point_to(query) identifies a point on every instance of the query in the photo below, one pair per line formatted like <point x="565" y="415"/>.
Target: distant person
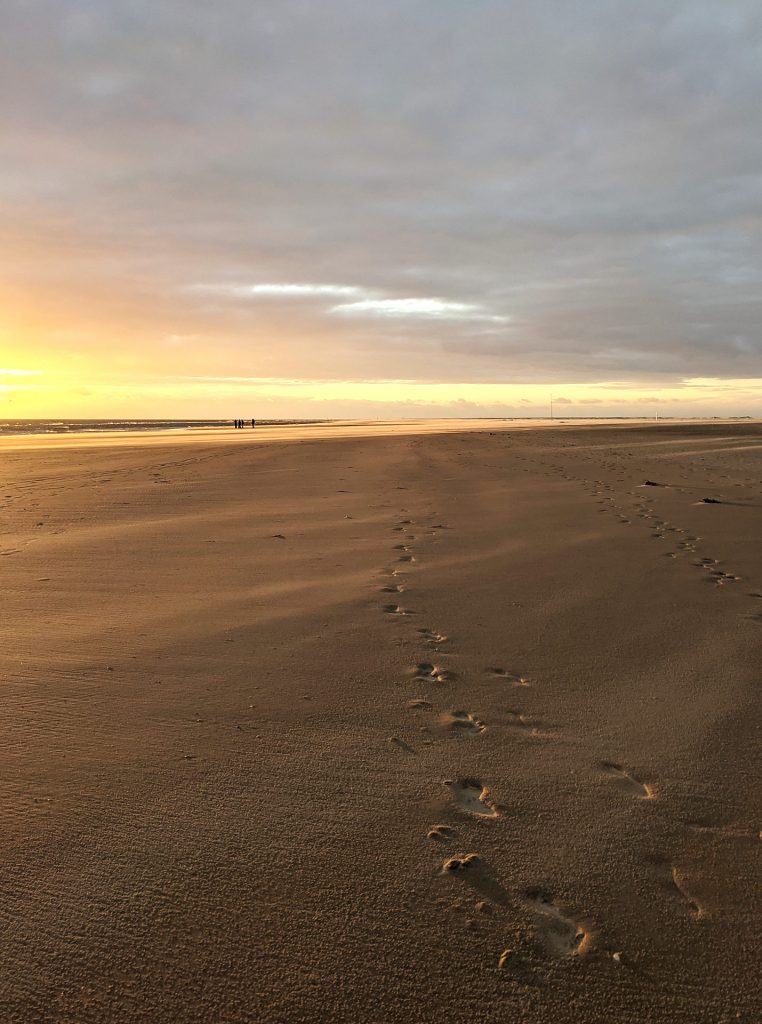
<point x="253" y="424"/>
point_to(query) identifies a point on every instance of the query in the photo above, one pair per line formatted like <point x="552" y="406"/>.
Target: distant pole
<point x="551" y="406"/>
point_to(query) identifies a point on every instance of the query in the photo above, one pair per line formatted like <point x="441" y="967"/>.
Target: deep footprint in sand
<point x="462" y="721"/>
<point x="510" y="677"/>
<point x="561" y="935"/>
<point x="398" y="589"/>
<point x="472" y="797"/>
<point x="627" y="780"/>
<point x="424" y="672"/>
<point x="419" y="704"/>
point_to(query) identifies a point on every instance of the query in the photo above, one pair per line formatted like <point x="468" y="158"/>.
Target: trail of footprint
<point x="462" y="721"/>
<point x="472" y="797"/>
<point x="627" y="780"/>
<point x="562" y="935"/>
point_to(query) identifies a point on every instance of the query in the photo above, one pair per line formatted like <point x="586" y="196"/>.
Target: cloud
<point x="278" y="290"/>
<point x="523" y="192"/>
<point x="434" y="308"/>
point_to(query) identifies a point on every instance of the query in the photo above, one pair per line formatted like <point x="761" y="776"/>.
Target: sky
<point x="345" y="208"/>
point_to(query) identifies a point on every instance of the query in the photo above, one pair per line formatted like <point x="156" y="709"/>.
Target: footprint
<point x="424" y="672"/>
<point x="509" y="677"/>
<point x="406" y="558"/>
<point x="723" y="831"/>
<point x="561" y="935"/>
<point x="674" y="881"/>
<point x="431" y="636"/>
<point x="453" y="864"/>
<point x="476" y="873"/>
<point x="462" y="721"/>
<point x="394" y="609"/>
<point x="718" y="576"/>
<point x="473" y="798"/>
<point x="402" y="744"/>
<point x="530" y="726"/>
<point x="631" y="783"/>
<point x="398" y="589"/>
<point x="418" y="704"/>
<point x="441" y="833"/>
<point x="678" y="880"/>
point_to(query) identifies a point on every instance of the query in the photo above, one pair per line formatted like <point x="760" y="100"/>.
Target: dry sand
<point x="382" y="725"/>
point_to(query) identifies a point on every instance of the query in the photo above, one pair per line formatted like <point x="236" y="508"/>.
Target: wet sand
<point x="383" y="724"/>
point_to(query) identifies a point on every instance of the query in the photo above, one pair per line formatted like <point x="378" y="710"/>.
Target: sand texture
<point x="393" y="724"/>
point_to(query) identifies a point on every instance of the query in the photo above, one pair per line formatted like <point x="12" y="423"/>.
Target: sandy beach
<point x="383" y="723"/>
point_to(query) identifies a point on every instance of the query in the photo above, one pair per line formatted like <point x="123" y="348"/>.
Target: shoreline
<point x="324" y="429"/>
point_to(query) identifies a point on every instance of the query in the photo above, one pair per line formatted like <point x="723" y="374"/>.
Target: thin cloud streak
<point x="412" y="307"/>
<point x="278" y="290"/>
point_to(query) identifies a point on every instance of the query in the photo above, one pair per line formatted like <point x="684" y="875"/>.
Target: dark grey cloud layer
<point x="583" y="179"/>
